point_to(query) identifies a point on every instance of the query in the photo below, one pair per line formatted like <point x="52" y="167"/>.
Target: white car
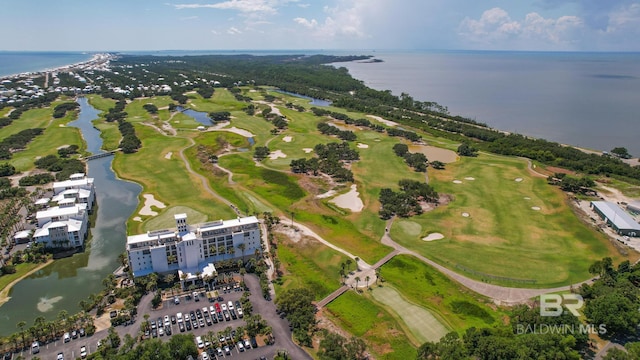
<point x="230" y="305"/>
<point x="167" y="322"/>
<point x="224" y="307"/>
<point x="83" y="352"/>
<point x="66" y="337"/>
<point x="204" y="356"/>
<point x="199" y="342"/>
<point x="60" y="356"/>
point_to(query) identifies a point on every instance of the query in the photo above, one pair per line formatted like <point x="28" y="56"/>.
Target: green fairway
<point x="518" y="227"/>
<point x="421" y="284"/>
<point x="56" y="135"/>
<point x="365" y="319"/>
<point x="421" y="323"/>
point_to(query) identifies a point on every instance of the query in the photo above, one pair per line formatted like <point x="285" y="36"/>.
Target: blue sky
<point x="581" y="25"/>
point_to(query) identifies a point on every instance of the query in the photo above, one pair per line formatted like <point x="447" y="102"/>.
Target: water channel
<point x="61" y="285"/>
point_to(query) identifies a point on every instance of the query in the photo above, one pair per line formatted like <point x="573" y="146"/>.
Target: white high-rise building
<point x="192" y="249"/>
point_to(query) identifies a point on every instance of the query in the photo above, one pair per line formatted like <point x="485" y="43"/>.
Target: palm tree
<point x="377" y="275"/>
<point x="367" y="278"/>
<point x="21" y="325"/>
<point x="342" y="276"/>
<point x="349" y="261"/>
<point x="242" y="248"/>
<point x="357" y="279"/>
<point x="357" y="266"/>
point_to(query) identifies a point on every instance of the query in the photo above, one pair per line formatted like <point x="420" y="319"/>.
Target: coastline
<point x="4" y="293"/>
<point x="96" y="58"/>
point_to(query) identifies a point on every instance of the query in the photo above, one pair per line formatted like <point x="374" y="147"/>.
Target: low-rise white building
<point x="79" y="186"/>
<point x="192" y="249"/>
<point x="62" y="226"/>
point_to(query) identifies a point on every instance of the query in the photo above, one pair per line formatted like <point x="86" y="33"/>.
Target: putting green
<point x="420" y="321"/>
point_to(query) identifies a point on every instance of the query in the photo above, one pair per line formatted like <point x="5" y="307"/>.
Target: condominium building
<point x="192" y="249"/>
<point x="79" y="187"/>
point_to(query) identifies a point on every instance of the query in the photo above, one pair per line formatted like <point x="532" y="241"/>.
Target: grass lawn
<point x="165" y="220"/>
<point x="421" y="284"/>
<point x="527" y="225"/>
<point x="421" y="323"/>
<point x="310" y="264"/>
<point x="367" y="320"/>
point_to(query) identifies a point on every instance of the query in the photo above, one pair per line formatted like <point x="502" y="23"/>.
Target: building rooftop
<point x="60" y="211"/>
<point x="620" y="218"/>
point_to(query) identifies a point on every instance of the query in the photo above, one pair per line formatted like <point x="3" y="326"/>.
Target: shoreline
<point x="95" y="58"/>
<point x="4" y="293"/>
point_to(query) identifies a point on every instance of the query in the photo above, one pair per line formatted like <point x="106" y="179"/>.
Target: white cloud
<point x="233" y="31"/>
<point x="625" y="19"/>
<point x="244" y="6"/>
<point x="306" y="23"/>
<point x="496" y="29"/>
<point x="188" y="18"/>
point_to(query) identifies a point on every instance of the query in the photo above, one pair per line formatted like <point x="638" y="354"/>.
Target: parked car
<point x="60" y="356"/>
<point x="199" y="342"/>
<point x="83" y="352"/>
<point x="66" y="337"/>
<point x="176" y="300"/>
<point x="35" y="347"/>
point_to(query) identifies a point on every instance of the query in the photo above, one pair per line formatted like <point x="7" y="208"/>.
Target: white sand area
<point x="277" y="154"/>
<point x="433" y="236"/>
<point x="149" y="201"/>
<point x="287" y="139"/>
<point x="384" y="121"/>
<point x="518" y="180"/>
<point x="242" y="132"/>
<point x="329" y="193"/>
<point x="536" y="208"/>
<point x="137" y="218"/>
<point x="168" y="155"/>
<point x="469" y="178"/>
<point x="465" y="214"/>
<point x="350" y="200"/>
<point x="457" y="181"/>
<point x="527" y="198"/>
<point x="362" y="146"/>
<point x="307" y="150"/>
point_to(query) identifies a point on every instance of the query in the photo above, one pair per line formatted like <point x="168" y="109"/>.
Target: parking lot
<point x="281" y="332"/>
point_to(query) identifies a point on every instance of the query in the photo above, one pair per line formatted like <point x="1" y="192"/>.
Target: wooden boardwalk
<point x="322" y="303"/>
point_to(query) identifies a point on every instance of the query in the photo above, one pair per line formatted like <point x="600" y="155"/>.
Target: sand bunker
<point x="45" y="305"/>
<point x="277" y="154"/>
<point x="242" y="132"/>
<point x="469" y="178"/>
<point x="287" y="139"/>
<point x="435" y="153"/>
<point x="433" y="236"/>
<point x="350" y="200"/>
<point x="536" y="208"/>
<point x="362" y="146"/>
<point x="137" y="218"/>
<point x="329" y="193"/>
<point x="465" y="214"/>
<point x="518" y="179"/>
<point x="307" y="150"/>
<point x="386" y="122"/>
<point x="168" y="156"/>
<point x="148" y="203"/>
<point x="457" y="182"/>
<point x="527" y="198"/>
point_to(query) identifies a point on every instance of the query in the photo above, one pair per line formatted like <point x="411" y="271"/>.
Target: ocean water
<point x="590" y="100"/>
<point x="16" y="62"/>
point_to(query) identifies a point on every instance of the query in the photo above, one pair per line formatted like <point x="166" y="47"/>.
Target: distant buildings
<point x="617" y="218"/>
<point x="66" y="224"/>
<point x="192" y="249"/>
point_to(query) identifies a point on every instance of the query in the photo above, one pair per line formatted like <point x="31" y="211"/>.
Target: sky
<point x="129" y="25"/>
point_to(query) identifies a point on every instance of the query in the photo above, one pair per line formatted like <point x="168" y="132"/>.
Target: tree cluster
<point x="37" y="179"/>
<point x="418" y="161"/>
<point x="62" y="167"/>
<point x="406" y="202"/>
<point x="330" y="160"/>
<point x="345" y="135"/>
<point x="467" y="150"/>
<point x="335" y="347"/>
<point x="206" y="91"/>
<point x="299" y="310"/>
<point x="261" y="152"/>
<point x="7" y="169"/>
<point x="66" y="151"/>
<point x="220" y="116"/>
<point x="151" y="108"/>
<point x="4" y="121"/>
<point x="581" y="185"/>
<point x="16" y="142"/>
<point x="61" y="110"/>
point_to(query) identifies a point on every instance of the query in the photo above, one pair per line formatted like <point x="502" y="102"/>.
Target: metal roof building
<point x="617" y="218"/>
